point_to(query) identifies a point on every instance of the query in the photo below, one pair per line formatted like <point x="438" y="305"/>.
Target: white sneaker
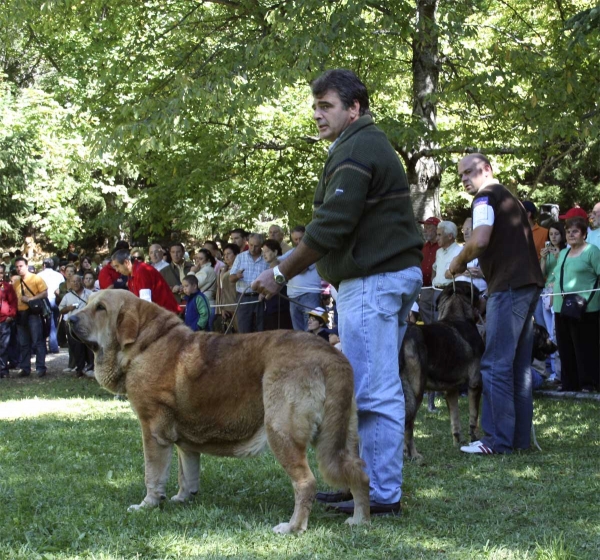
<point x="68" y="370"/>
<point x="89" y="373"/>
<point x="477" y="448"/>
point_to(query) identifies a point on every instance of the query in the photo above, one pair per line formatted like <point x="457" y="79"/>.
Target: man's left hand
<point x="457" y="267"/>
<point x="265" y="284"/>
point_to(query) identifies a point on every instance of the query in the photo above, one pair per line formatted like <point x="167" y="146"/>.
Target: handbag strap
<point x="72" y="292"/>
<point x="562" y="272"/>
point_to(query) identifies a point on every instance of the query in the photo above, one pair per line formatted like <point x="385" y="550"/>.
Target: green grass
<point x="71" y="462"/>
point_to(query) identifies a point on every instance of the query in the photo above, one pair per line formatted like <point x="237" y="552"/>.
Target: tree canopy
<point x="151" y="116"/>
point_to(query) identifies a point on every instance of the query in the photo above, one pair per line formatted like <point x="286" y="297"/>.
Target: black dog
<point x="542" y="343"/>
<point x="442" y="357"/>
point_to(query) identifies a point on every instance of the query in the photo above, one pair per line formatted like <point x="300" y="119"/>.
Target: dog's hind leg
<point x="157" y="463"/>
<point x="189" y="475"/>
<point x="452" y="402"/>
<point x="292" y="456"/>
<point x="341" y="465"/>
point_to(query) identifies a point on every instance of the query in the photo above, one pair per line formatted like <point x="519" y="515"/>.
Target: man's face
<point x="276" y="233"/>
<point x="176" y="254"/>
<point x="76" y="283"/>
<point x="6" y="260"/>
<point x="124" y="269"/>
<point x="595" y="215"/>
<point x="69" y="272"/>
<point x="444" y="239"/>
<point x="22" y="269"/>
<point x="473" y="173"/>
<point x="156" y="253"/>
<point x="331" y="117"/>
<point x="467" y="229"/>
<point x="238" y="239"/>
<point x="297" y="237"/>
<point x="429" y="232"/>
<point x="254" y="246"/>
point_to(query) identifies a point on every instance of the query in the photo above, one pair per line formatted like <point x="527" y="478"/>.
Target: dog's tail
<point x="337" y="441"/>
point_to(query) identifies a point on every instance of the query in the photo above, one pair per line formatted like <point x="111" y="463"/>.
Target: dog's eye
<point x="100" y="307"/>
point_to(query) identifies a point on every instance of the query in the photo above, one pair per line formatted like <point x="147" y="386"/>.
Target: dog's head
<point x="542" y="343"/>
<point x="458" y="302"/>
<point x="117" y="319"/>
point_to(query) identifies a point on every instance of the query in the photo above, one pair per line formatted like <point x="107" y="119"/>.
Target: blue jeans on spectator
<point x="4" y="342"/>
<point x="53" y="347"/>
<point x="506" y="369"/>
<point x="30" y="333"/>
<point x="307" y="302"/>
<point x="372" y="322"/>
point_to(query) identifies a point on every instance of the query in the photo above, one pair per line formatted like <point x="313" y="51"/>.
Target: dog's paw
<point x="352" y="521"/>
<point x="137" y="507"/>
<point x="286" y="529"/>
<point x="182" y="498"/>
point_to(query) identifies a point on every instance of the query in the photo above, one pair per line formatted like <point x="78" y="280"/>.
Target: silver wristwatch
<point x="279" y="277"/>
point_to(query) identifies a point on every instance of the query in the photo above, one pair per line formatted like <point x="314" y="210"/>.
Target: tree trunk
<point x="424" y="173"/>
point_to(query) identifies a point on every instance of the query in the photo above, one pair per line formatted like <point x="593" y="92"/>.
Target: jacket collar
<point x="359" y="124"/>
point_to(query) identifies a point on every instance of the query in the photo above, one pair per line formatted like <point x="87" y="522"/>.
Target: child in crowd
<point x="198" y="314"/>
<point x="317" y="323"/>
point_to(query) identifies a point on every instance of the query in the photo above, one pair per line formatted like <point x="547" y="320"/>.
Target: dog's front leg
<point x="189" y="475"/>
<point x="157" y="461"/>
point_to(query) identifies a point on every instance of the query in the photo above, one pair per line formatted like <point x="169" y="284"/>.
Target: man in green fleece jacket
<point x="366" y="242"/>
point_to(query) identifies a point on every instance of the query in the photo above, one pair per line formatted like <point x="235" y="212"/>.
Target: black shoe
<point x="376" y="508"/>
<point x="40" y="373"/>
<point x="23" y="373"/>
<point x="333" y="497"/>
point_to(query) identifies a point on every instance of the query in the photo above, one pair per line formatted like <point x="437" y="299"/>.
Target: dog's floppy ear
<point x="128" y="325"/>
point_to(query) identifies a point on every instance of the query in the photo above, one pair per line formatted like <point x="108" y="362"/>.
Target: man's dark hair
<point x="233" y="247"/>
<point x="21" y="259"/>
<point x="273" y="245"/>
<point x="121" y="245"/>
<point x="49" y="263"/>
<point x="191" y="279"/>
<point x="212" y="243"/>
<point x="18" y="253"/>
<point x="482" y="158"/>
<point x="177" y="245"/>
<point x="121" y="256"/>
<point x="63" y="262"/>
<point x="299" y="229"/>
<point x="240" y="231"/>
<point x="346" y="84"/>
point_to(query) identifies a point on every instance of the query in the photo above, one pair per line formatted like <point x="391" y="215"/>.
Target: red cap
<point x="574" y="213"/>
<point x="431" y="221"/>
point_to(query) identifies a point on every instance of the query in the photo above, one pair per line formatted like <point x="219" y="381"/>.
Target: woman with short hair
<point x="277" y="309"/>
<point x="578" y="270"/>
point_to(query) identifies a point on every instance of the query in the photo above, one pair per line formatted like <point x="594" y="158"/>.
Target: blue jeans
<point x="52" y="338"/>
<point x="372" y="323"/>
<point x="506" y="369"/>
<point x="299" y="315"/>
<point x="30" y="333"/>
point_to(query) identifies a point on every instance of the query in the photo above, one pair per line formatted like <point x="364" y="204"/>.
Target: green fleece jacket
<point x="363" y="219"/>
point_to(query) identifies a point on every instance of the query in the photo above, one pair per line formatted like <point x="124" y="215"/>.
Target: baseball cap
<point x="320" y="313"/>
<point x="430" y="221"/>
<point x="5" y="255"/>
<point x="574" y="213"/>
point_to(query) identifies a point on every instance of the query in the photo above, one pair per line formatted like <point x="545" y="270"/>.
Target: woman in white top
<point x="204" y="270"/>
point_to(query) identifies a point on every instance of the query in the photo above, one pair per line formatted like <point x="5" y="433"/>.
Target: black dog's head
<point x="458" y="302"/>
<point x="542" y="344"/>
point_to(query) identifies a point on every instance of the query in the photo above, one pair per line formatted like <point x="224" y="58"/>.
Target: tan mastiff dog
<point x="227" y="396"/>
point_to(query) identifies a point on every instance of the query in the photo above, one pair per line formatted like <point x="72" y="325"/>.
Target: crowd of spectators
<point x="210" y="287"/>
